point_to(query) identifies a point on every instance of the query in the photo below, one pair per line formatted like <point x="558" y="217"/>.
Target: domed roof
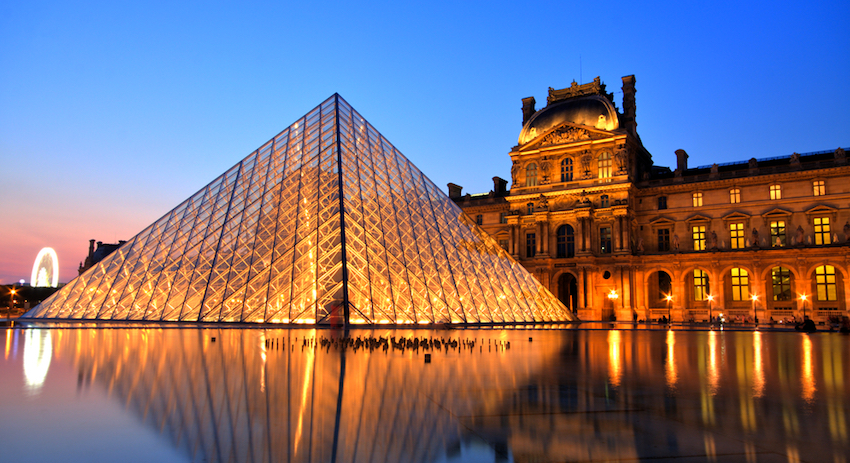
<point x="591" y="110"/>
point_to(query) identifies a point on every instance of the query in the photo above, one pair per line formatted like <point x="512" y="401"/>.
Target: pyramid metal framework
<point x="326" y="223"/>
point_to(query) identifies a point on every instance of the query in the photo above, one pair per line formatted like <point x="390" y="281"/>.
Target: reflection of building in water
<point x="254" y="395"/>
<point x="326" y="223"/>
<point x="589" y="212"/>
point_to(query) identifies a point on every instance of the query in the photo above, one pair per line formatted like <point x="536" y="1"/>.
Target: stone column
<point x="538" y="232"/>
<point x="616" y="234"/>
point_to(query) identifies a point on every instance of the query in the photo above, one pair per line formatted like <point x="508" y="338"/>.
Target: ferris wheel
<point x="45" y="271"/>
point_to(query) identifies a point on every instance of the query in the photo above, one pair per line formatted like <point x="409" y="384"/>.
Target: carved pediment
<point x="698" y="218"/>
<point x="661" y="221"/>
<point x="822" y="210"/>
<point x="735" y="216"/>
<point x="777" y="212"/>
<point x="565" y="133"/>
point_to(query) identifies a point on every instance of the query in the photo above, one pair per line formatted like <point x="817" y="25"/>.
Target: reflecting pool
<point x="208" y="394"/>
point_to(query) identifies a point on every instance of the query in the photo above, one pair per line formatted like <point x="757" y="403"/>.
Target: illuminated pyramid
<point x="326" y="223"/>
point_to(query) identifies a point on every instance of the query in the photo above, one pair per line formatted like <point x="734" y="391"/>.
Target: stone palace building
<point x="613" y="235"/>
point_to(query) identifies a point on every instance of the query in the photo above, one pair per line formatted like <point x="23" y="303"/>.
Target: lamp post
<point x="710" y="298"/>
<point x="803" y="298"/>
<point x="755" y="299"/>
<point x="612" y="295"/>
<point x="669" y="298"/>
<point x="12" y="299"/>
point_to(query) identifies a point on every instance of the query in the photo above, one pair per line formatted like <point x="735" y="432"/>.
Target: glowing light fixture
<point x="45" y="271"/>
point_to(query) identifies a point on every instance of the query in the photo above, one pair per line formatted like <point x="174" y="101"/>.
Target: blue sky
<point x="111" y="113"/>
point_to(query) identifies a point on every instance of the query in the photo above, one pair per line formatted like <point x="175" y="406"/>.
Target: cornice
<point x="607" y="188"/>
<point x="747" y="180"/>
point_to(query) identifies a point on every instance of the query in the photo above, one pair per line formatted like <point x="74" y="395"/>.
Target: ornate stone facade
<point x="614" y="235"/>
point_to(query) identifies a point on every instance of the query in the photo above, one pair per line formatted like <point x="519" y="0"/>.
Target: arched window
<point x="567" y="170"/>
<point x="566" y="241"/>
<point x="701" y="287"/>
<point x="531" y="175"/>
<point x="781" y="278"/>
<point x="825" y="281"/>
<point x="740" y="284"/>
<point x="605" y="165"/>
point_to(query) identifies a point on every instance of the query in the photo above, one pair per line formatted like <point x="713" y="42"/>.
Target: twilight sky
<point x="112" y="113"/>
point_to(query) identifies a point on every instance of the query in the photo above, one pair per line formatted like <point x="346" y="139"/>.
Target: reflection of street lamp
<point x="755" y="299"/>
<point x="710" y="298"/>
<point x="669" y="298"/>
<point x="803" y="298"/>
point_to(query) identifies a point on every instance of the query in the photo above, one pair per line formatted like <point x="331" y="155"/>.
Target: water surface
<point x="197" y="394"/>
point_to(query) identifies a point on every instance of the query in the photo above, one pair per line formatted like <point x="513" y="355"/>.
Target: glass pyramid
<point x="326" y="223"/>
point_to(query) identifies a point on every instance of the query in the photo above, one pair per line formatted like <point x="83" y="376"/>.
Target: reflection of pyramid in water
<point x="267" y="242"/>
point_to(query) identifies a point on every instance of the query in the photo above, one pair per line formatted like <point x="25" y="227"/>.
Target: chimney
<point x="629" y="107"/>
<point x="500" y="186"/>
<point x="455" y="191"/>
<point x="681" y="161"/>
<point x="91" y="249"/>
<point x="527" y="109"/>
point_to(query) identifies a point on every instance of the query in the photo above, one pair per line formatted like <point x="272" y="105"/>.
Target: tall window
<point x="736" y="236"/>
<point x="531" y="175"/>
<point x="565" y="240"/>
<point x="665" y="285"/>
<point x="777" y="233"/>
<point x="530" y="207"/>
<point x="567" y="170"/>
<point x="663" y="239"/>
<point x="479" y="219"/>
<point x="740" y="284"/>
<point x="697" y="199"/>
<point x="605" y="240"/>
<point x="825" y="281"/>
<point x="700" y="285"/>
<point x="699" y="237"/>
<point x="603" y="201"/>
<point x="822" y="235"/>
<point x="503" y="217"/>
<point x="662" y="202"/>
<point x="781" y="277"/>
<point x="605" y="165"/>
<point x="530" y="245"/>
<point x="735" y="195"/>
<point x="819" y="187"/>
<point x="775" y="192"/>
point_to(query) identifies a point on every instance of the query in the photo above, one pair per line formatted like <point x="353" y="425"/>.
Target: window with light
<point x="697" y="199"/>
<point x="735" y="195"/>
<point x="605" y="165"/>
<point x="826" y="284"/>
<point x="740" y="284"/>
<point x="777" y="233"/>
<point x="700" y="285"/>
<point x="819" y="187"/>
<point x="531" y="175"/>
<point x="699" y="237"/>
<point x="822" y="231"/>
<point x="775" y="192"/>
<point x="736" y="236"/>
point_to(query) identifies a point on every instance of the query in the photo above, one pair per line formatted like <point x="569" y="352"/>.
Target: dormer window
<point x="531" y="175"/>
<point x="605" y="164"/>
<point x="567" y="170"/>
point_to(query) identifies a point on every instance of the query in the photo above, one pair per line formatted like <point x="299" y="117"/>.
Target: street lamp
<point x="755" y="299"/>
<point x="612" y="295"/>
<point x="669" y="298"/>
<point x="710" y="298"/>
<point x="803" y="298"/>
